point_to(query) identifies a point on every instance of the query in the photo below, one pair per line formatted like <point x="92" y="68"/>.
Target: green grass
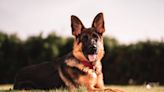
<point x="142" y="88"/>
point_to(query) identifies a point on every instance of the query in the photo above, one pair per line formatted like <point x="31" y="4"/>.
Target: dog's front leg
<point x="98" y="70"/>
<point x="100" y="82"/>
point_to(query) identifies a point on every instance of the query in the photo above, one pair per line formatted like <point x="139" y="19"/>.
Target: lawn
<point x="142" y="88"/>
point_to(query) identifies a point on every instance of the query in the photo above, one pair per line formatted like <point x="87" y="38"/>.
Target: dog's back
<point x="41" y="76"/>
<point x="50" y="75"/>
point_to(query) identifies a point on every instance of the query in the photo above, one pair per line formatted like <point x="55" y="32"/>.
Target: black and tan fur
<point x="69" y="71"/>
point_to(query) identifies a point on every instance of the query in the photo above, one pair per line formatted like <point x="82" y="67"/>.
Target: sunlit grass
<point x="9" y="88"/>
<point x="6" y="87"/>
<point x="142" y="88"/>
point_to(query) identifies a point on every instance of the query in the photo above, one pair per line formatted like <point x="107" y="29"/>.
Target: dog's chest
<point x="88" y="79"/>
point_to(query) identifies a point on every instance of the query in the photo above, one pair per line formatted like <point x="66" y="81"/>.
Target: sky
<point x="128" y="21"/>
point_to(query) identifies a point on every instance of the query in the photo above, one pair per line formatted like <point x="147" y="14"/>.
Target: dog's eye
<point x="84" y="37"/>
<point x="95" y="36"/>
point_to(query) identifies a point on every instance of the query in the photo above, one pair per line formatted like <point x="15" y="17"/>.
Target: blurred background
<point x="35" y="31"/>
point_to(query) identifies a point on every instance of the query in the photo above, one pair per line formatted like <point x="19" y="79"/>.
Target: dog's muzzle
<point x="92" y="53"/>
<point x="92" y="49"/>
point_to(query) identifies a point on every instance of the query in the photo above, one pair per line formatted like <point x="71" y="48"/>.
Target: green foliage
<point x="138" y="63"/>
<point x="122" y="64"/>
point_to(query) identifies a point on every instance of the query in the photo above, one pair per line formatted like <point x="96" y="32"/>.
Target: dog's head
<point x="88" y="42"/>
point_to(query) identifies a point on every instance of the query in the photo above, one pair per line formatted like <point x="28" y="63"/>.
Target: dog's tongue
<point x="92" y="57"/>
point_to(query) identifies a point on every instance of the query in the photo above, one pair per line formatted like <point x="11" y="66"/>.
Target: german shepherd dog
<point x="81" y="67"/>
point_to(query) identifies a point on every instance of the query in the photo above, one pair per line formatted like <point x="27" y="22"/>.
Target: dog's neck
<point x="82" y="59"/>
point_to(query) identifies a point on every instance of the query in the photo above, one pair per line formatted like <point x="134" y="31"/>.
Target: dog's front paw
<point x="112" y="90"/>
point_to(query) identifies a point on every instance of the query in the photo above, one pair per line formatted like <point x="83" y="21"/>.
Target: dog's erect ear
<point x="98" y="23"/>
<point x="76" y="25"/>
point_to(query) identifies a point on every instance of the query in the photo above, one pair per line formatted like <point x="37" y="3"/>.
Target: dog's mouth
<point x="92" y="57"/>
<point x="91" y="53"/>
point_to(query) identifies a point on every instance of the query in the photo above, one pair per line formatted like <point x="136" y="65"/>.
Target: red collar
<point x="87" y="64"/>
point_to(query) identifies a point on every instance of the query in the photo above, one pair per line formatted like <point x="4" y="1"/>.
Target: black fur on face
<point x="89" y="38"/>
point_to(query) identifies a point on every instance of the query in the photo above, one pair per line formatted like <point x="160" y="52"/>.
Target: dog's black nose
<point x="92" y="49"/>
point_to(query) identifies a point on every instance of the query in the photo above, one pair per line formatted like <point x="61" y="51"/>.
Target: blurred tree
<point x="9" y="47"/>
